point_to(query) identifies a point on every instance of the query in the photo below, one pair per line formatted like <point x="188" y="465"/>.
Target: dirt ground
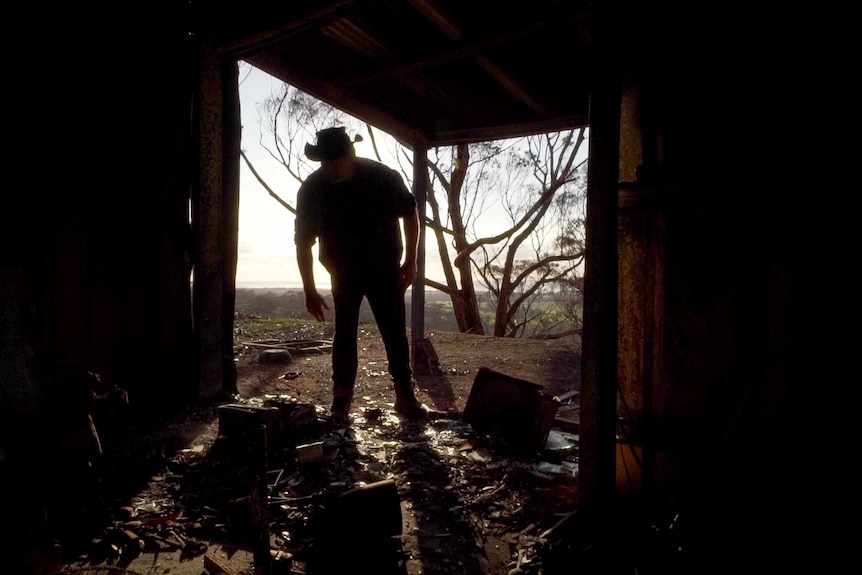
<point x="472" y="498"/>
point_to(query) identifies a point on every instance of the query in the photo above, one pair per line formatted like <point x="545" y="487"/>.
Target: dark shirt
<point x="356" y="221"/>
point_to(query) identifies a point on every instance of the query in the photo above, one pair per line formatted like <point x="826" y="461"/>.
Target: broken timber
<point x="306" y="346"/>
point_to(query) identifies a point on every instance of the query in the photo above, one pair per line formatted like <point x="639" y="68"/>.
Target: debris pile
<point x="456" y="495"/>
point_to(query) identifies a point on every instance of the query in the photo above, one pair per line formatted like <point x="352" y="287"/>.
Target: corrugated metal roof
<point x="429" y="71"/>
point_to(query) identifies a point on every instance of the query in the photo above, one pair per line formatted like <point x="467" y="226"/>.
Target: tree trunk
<point x="464" y="303"/>
<point x="503" y="312"/>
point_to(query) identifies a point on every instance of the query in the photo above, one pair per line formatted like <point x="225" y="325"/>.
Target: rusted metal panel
<point x="517" y="410"/>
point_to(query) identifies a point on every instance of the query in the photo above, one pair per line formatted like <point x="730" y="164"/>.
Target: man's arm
<point x="314" y="302"/>
<point x="411" y="249"/>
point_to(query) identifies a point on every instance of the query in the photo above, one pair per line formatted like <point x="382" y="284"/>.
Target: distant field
<point x="289" y="303"/>
<point x="430" y="295"/>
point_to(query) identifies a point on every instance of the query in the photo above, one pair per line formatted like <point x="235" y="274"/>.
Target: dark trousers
<point x="387" y="303"/>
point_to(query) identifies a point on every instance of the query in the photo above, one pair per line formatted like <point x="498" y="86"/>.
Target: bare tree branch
<point x="290" y="208"/>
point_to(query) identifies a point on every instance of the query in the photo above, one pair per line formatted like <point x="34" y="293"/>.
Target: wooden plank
<point x="215" y="565"/>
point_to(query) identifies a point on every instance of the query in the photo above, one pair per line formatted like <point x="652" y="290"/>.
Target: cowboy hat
<point x="332" y="144"/>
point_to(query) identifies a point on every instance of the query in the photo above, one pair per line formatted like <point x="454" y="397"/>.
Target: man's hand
<point x="407" y="275"/>
<point x="315" y="305"/>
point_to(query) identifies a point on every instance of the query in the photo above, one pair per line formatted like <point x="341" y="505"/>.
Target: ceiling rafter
<point x="334" y="96"/>
<point x="448" y="72"/>
<point x="458" y="53"/>
<point x="347" y="33"/>
<point x="446" y="24"/>
<point x="315" y="20"/>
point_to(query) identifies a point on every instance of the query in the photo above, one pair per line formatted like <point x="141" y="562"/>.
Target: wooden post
<point x="207" y="286"/>
<point x="597" y="473"/>
<point x="420" y="183"/>
<point x="231" y="144"/>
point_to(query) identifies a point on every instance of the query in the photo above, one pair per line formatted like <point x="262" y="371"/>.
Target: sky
<point x="266" y="255"/>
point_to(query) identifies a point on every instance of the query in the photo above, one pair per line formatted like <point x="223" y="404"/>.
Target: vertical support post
<point x="207" y="223"/>
<point x="231" y="145"/>
<point x="597" y="477"/>
<point x="420" y="190"/>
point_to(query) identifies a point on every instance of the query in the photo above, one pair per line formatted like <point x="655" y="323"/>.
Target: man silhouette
<point x="355" y="208"/>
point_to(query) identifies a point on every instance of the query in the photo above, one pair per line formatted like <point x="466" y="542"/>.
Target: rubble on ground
<point x="460" y="490"/>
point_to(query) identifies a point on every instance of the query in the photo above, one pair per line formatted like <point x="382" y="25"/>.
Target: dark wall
<point x="98" y="227"/>
<point x="707" y="376"/>
<point x="96" y="241"/>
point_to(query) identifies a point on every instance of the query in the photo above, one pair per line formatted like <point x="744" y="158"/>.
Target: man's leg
<point x="347" y="299"/>
<point x="387" y="304"/>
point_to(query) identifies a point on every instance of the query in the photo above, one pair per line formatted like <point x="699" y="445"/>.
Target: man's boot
<point x="340" y="409"/>
<point x="406" y="404"/>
